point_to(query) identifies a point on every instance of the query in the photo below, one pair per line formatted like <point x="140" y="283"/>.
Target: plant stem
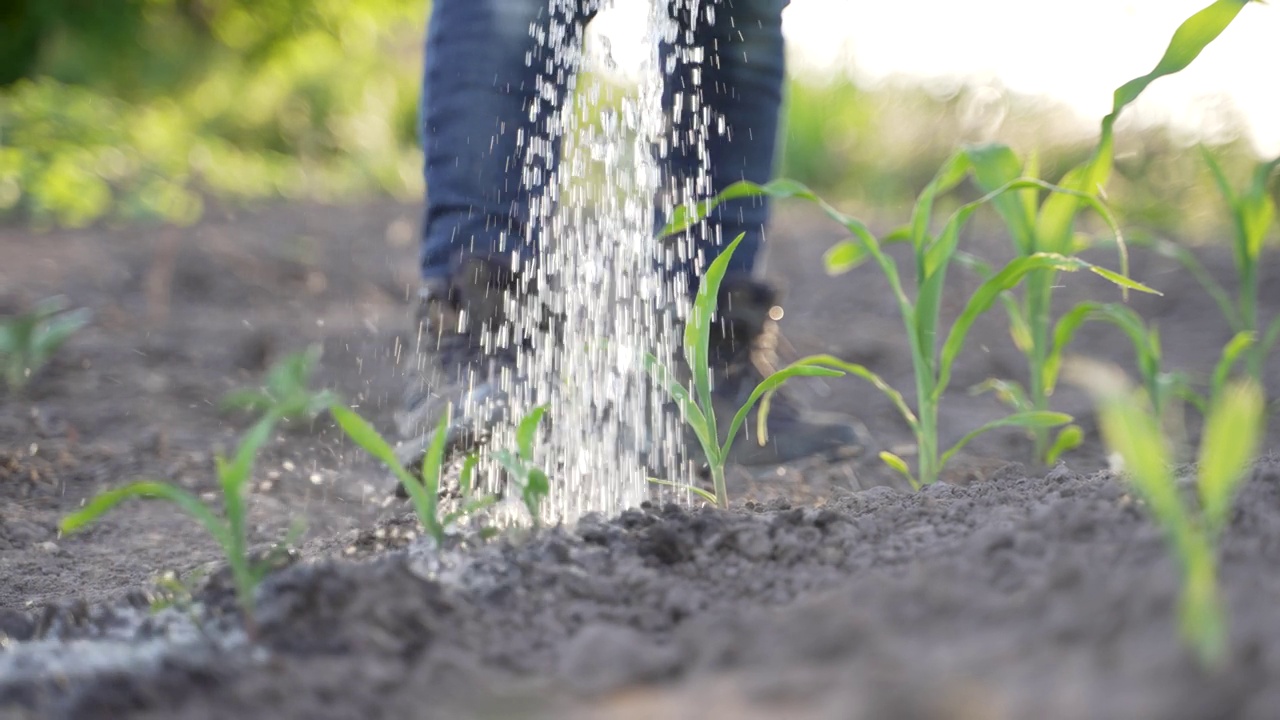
<point x="927" y="443"/>
<point x="717" y="478"/>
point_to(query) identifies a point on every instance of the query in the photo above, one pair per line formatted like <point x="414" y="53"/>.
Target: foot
<point x="743" y="347"/>
<point x="465" y="359"/>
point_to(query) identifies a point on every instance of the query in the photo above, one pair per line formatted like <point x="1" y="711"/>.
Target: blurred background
<point x="116" y="111"/>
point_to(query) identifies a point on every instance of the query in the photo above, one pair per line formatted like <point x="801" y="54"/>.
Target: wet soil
<point x="829" y="591"/>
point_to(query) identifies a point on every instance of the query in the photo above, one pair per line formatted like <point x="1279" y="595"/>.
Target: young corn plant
<point x="287" y="393"/>
<point x="932" y="256"/>
<point x="1193" y="525"/>
<point x="1253" y="213"/>
<point x="228" y="528"/>
<point x="520" y="466"/>
<point x="424" y="493"/>
<point x="28" y="341"/>
<point x="694" y="399"/>
<point x="1049" y="226"/>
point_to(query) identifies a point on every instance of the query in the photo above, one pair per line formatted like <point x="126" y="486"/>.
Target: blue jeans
<point x="478" y="86"/>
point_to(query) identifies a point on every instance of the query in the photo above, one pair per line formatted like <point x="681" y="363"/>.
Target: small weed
<point x="229" y="530"/>
<point x="287" y="393"/>
<point x="533" y="482"/>
<point x="695" y="401"/>
<point x="1193" y="526"/>
<point x="424" y="493"/>
<point x="28" y="341"/>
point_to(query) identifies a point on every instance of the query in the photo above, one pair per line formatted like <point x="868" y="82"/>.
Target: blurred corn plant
<point x="1193" y="523"/>
<point x="29" y="340"/>
<point x="1048" y="225"/>
<point x="287" y="393"/>
<point x="1253" y="213"/>
<point x="135" y="110"/>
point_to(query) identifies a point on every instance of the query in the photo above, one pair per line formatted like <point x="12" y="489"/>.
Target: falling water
<point x="601" y="269"/>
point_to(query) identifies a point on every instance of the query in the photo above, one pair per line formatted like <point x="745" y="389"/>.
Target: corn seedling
<point x="1253" y="214"/>
<point x="1050" y="227"/>
<point x="424" y="493"/>
<point x="229" y="529"/>
<point x="1193" y="526"/>
<point x="694" y="400"/>
<point x="287" y="393"/>
<point x="520" y="466"/>
<point x="932" y="258"/>
<point x="28" y="341"/>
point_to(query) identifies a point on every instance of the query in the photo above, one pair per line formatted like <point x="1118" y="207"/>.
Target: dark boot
<point x="466" y="350"/>
<point x="744" y="340"/>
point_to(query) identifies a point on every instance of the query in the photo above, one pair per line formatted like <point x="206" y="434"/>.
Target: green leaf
<point x="363" y="434"/>
<point x="900" y="465"/>
<point x="1063" y="333"/>
<point x="528" y="429"/>
<point x="52" y="334"/>
<point x="1130" y="428"/>
<point x="834" y="363"/>
<point x="1188" y="41"/>
<point x="1123" y="281"/>
<point x="1006" y="391"/>
<point x="684" y="486"/>
<point x="679" y="394"/>
<point x="996" y="165"/>
<point x="1031" y="419"/>
<point x="844" y="256"/>
<point x="1231" y="354"/>
<point x="1069" y="438"/>
<point x="465" y="476"/>
<point x="767" y="385"/>
<point x="1231" y="436"/>
<point x="984" y="296"/>
<point x="697" y="332"/>
<point x="246" y="399"/>
<point x="188" y="502"/>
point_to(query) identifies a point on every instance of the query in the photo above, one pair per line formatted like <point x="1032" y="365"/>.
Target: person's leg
<point x="490" y="84"/>
<point x="483" y="126"/>
<point x="724" y="108"/>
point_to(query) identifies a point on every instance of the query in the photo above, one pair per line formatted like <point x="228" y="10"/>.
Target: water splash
<point x="600" y="268"/>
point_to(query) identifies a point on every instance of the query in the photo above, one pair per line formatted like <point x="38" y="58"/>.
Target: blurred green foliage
<point x="147" y="109"/>
<point x="139" y="109"/>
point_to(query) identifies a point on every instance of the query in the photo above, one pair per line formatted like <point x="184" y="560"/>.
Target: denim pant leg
<point x="480" y="81"/>
<point x="742" y="71"/>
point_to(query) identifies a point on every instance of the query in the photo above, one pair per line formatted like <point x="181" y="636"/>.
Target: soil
<point x="828" y="591"/>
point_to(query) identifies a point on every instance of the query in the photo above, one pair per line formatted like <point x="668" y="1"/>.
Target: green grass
<point x="28" y="341"/>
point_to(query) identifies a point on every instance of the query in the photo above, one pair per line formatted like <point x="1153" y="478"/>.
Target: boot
<point x="466" y="350"/>
<point x="743" y="351"/>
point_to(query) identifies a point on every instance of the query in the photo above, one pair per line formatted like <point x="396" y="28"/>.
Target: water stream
<point x="601" y="269"/>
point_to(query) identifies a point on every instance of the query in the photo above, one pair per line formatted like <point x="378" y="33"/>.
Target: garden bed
<point x="1007" y="591"/>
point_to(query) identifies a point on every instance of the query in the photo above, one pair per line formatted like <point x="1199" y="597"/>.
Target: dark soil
<point x="1009" y="591"/>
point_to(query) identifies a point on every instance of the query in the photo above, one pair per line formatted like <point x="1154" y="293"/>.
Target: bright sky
<point x="1075" y="52"/>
